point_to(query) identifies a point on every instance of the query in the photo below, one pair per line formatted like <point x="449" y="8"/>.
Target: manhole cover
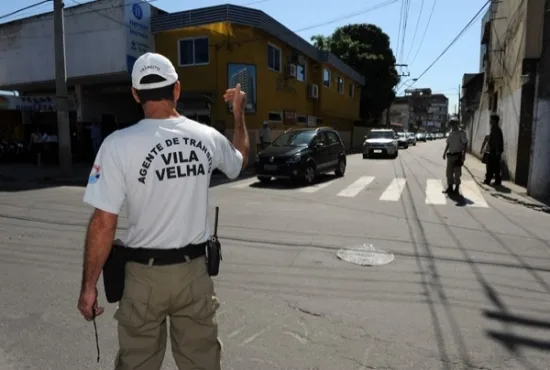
<point x="365" y="255"/>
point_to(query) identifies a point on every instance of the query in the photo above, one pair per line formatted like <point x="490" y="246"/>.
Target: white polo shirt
<point x="456" y="140"/>
<point x="162" y="169"/>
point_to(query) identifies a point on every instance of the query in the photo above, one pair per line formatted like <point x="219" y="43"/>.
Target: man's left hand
<point x="87" y="304"/>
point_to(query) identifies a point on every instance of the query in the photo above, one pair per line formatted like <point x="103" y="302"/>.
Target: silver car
<point x="381" y="142"/>
<point x="412" y="138"/>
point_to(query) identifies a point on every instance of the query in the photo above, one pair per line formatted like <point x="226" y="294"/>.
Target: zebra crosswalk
<point x="392" y="192"/>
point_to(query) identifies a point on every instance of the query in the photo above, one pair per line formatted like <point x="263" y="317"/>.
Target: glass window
<point x="301" y="72"/>
<point x="186" y="52"/>
<point x="294" y="138"/>
<point x="201" y="51"/>
<point x="273" y="58"/>
<point x="194" y="51"/>
<point x="320" y="138"/>
<point x="381" y="135"/>
<point x="332" y="138"/>
<point x="326" y="78"/>
<point x="340" y="85"/>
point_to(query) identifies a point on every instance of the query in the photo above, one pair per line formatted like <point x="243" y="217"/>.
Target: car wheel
<point x="341" y="170"/>
<point x="365" y="156"/>
<point x="310" y="174"/>
<point x="406" y="146"/>
<point x="264" y="179"/>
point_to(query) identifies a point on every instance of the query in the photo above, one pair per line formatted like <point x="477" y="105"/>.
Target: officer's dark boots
<point x="449" y="190"/>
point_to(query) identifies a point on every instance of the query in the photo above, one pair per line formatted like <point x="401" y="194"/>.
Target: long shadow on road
<point x="512" y="342"/>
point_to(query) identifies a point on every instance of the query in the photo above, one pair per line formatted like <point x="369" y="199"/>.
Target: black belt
<point x="163" y="257"/>
<point x="454" y="153"/>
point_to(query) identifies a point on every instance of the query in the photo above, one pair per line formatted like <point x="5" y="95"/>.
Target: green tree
<point x="365" y="48"/>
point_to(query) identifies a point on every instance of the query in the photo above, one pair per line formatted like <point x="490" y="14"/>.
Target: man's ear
<point x="135" y="95"/>
<point x="177" y="91"/>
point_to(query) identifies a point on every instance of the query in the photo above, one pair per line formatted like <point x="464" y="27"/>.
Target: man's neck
<point x="160" y="111"/>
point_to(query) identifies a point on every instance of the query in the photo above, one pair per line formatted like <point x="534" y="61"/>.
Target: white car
<point x="381" y="142"/>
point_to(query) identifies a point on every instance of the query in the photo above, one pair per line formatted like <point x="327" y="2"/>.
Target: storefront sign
<point x="33" y="103"/>
<point x="139" y="40"/>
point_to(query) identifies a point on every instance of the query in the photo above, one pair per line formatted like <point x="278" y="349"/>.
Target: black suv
<point x="302" y="154"/>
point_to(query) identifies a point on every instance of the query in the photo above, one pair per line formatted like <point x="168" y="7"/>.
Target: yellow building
<point x="289" y="82"/>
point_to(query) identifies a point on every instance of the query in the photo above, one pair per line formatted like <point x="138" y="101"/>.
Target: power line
<point x="468" y="25"/>
<point x="405" y="23"/>
<point x="23" y="9"/>
<point x="425" y="31"/>
<point x="416" y="29"/>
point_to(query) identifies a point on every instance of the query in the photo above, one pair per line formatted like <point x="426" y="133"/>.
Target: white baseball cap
<point x="153" y="64"/>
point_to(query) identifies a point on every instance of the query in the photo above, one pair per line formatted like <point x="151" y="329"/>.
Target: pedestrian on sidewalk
<point x="492" y="147"/>
<point x="36" y="146"/>
<point x="265" y="135"/>
<point x="161" y="168"/>
<point x="455" y="154"/>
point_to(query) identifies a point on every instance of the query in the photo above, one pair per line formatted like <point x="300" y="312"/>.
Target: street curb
<point x="529" y="202"/>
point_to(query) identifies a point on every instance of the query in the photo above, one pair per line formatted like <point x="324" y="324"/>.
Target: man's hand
<point x="87" y="304"/>
<point x="237" y="98"/>
<point x="444" y="155"/>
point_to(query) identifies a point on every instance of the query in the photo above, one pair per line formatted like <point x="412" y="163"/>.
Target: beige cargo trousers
<point x="182" y="292"/>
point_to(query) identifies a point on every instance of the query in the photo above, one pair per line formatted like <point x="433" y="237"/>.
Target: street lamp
<point x="412" y="80"/>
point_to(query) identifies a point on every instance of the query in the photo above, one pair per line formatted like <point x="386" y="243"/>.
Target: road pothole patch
<point x="365" y="255"/>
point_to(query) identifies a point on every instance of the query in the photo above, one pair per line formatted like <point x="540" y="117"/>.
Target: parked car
<point x="402" y="140"/>
<point x="302" y="154"/>
<point x="421" y="136"/>
<point x="381" y="142"/>
<point x="411" y="138"/>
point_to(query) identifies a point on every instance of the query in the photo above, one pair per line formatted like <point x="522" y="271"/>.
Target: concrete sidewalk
<point x="508" y="191"/>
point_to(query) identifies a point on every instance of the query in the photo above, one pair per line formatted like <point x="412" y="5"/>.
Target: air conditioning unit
<point x="313" y="92"/>
<point x="291" y="70"/>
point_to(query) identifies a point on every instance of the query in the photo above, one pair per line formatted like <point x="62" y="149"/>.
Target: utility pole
<point x="63" y="127"/>
<point x="388" y="124"/>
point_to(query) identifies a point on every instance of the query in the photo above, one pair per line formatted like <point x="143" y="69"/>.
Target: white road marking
<point x="314" y="188"/>
<point x="356" y="187"/>
<point x="393" y="192"/>
<point x="253" y="337"/>
<point x="471" y="192"/>
<point x="244" y="183"/>
<point x="434" y="192"/>
<point x="235" y="332"/>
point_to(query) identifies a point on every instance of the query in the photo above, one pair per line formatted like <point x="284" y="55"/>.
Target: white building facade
<point x="102" y="41"/>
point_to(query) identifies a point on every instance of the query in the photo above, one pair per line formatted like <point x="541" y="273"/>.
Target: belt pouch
<point x="113" y="274"/>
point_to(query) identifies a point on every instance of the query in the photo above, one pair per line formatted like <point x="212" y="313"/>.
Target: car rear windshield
<point x="381" y="135"/>
<point x="294" y="138"/>
<point x="402" y="134"/>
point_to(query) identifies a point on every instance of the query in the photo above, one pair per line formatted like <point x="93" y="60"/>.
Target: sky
<point x="323" y="16"/>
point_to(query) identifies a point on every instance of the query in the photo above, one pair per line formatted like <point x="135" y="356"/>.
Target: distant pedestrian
<point x="492" y="147"/>
<point x="455" y="153"/>
<point x="265" y="135"/>
<point x="36" y="145"/>
<point x="95" y="135"/>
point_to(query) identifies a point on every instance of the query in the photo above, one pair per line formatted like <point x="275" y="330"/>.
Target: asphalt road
<point x="469" y="287"/>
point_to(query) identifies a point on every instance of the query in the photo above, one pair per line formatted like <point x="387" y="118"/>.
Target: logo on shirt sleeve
<point x="94" y="175"/>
